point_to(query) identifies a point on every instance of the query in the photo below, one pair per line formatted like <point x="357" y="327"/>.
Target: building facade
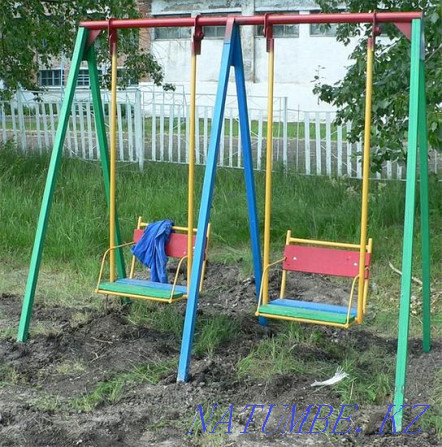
<point x="303" y="53"/>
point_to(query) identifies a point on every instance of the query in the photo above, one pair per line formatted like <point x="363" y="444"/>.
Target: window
<point x="83" y="78"/>
<point x="321" y="29"/>
<point x="281" y="30"/>
<point x="214" y="32"/>
<point x="217" y="32"/>
<point x="51" y="78"/>
<point x="172" y="33"/>
<point x="317" y="29"/>
<point x="122" y="72"/>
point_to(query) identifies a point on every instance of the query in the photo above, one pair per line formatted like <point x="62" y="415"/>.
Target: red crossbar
<point x="272" y="19"/>
<point x="323" y="261"/>
<point x="175" y="248"/>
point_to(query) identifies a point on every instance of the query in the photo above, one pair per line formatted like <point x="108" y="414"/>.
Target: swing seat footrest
<point x="305" y="310"/>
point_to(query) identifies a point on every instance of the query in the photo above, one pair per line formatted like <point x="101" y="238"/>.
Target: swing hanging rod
<point x="270" y="19"/>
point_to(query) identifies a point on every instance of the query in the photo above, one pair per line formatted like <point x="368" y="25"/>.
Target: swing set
<point x="342" y="259"/>
<point x="319" y="257"/>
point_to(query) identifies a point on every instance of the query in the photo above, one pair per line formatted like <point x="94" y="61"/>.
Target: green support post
<point x="100" y="130"/>
<point x="407" y="253"/>
<point x="28" y="300"/>
<point x="425" y="219"/>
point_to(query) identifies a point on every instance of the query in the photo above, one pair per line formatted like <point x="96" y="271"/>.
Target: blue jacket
<point x="150" y="249"/>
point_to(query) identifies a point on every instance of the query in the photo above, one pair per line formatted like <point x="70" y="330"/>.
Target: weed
<point x="111" y="390"/>
<point x="70" y="367"/>
<point x="46" y="402"/>
<point x="272" y="356"/>
<point x="162" y="318"/>
<point x="434" y="416"/>
<point x="212" y="333"/>
<point x="9" y="375"/>
<point x="8" y="333"/>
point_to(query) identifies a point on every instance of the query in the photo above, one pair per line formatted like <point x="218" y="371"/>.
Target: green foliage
<point x="47" y="29"/>
<point x="391" y="78"/>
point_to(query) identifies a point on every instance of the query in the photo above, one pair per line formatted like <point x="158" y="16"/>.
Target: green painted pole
<point x="34" y="268"/>
<point x="100" y="130"/>
<point x="425" y="219"/>
<point x="410" y="195"/>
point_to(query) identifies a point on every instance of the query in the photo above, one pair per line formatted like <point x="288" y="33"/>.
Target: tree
<point x="34" y="33"/>
<point x="391" y="78"/>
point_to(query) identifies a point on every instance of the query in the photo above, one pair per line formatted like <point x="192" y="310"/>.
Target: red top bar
<point x="272" y="19"/>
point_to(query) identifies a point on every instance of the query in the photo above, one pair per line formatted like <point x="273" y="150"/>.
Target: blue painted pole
<point x="248" y="165"/>
<point x="206" y="203"/>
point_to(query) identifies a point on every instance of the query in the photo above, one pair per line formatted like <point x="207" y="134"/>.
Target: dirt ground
<point x="36" y="389"/>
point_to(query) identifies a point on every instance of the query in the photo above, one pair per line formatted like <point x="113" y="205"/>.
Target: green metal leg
<point x="104" y="149"/>
<point x="425" y="220"/>
<point x="28" y="301"/>
<point x="407" y="254"/>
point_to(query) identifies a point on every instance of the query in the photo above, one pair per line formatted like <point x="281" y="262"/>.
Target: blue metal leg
<point x="206" y="204"/>
<point x="248" y="166"/>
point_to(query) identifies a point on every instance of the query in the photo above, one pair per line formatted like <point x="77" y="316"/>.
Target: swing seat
<point x="300" y="255"/>
<point x="131" y="287"/>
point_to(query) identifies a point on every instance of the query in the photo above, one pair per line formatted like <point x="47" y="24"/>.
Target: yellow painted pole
<point x="268" y="188"/>
<point x="365" y="179"/>
<point x="190" y="205"/>
<point x="113" y="154"/>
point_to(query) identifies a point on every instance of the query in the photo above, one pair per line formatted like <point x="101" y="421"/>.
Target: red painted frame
<point x="270" y="19"/>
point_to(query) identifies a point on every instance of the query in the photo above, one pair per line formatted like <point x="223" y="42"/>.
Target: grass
<point x="434" y="416"/>
<point x="78" y="228"/>
<point x="211" y="332"/>
<point x="294" y="129"/>
<point x="112" y="390"/>
<point x="277" y="355"/>
<point x="9" y="375"/>
<point x="299" y="350"/>
<point x="313" y="207"/>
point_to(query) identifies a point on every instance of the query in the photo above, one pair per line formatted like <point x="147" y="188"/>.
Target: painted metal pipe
<point x="113" y="153"/>
<point x="190" y="202"/>
<point x="272" y="19"/>
<point x="365" y="179"/>
<point x="268" y="188"/>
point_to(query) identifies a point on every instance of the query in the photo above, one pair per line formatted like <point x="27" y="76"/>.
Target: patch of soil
<point x="40" y="379"/>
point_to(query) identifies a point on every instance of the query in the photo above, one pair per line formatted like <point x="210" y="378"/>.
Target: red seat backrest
<point x="323" y="261"/>
<point x="175" y="248"/>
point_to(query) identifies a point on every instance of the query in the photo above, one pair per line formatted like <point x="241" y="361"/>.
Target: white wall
<point x="297" y="59"/>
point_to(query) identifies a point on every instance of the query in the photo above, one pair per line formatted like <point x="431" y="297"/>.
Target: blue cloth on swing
<point x="150" y="249"/>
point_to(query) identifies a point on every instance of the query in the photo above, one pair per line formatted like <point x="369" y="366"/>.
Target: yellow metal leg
<point x="365" y="179"/>
<point x="190" y="206"/>
<point x="268" y="189"/>
<point x="113" y="152"/>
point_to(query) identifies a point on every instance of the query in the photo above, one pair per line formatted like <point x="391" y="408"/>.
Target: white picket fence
<point x="154" y="126"/>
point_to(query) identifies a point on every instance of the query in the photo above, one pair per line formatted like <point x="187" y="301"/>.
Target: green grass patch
<point x="433" y="418"/>
<point x="277" y="355"/>
<point x="77" y="235"/>
<point x="299" y="350"/>
<point x="213" y="332"/>
<point x="113" y="389"/>
<point x="164" y="318"/>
